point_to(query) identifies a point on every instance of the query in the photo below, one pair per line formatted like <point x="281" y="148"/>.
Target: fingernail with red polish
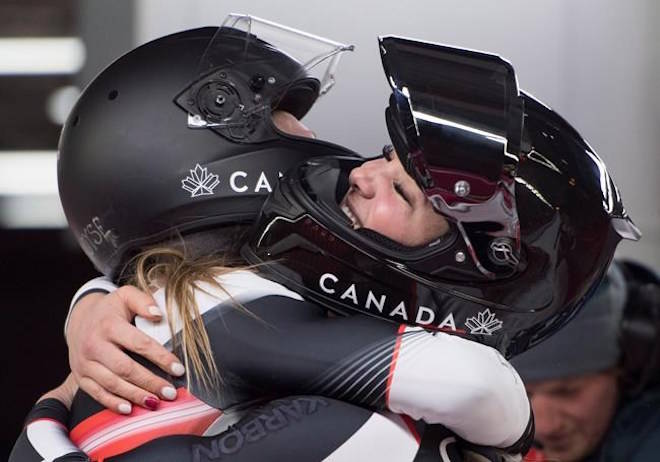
<point x="151" y="403"/>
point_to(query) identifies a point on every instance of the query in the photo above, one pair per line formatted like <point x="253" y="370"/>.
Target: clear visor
<point x="252" y="64"/>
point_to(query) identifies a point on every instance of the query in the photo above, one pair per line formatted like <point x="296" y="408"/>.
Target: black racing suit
<point x="296" y="385"/>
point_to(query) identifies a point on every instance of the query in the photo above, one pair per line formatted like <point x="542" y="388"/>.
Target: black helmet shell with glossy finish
<point x="571" y="219"/>
<point x="131" y="171"/>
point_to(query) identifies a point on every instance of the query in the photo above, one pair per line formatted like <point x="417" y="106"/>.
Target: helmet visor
<point x="252" y="64"/>
<point x="455" y="115"/>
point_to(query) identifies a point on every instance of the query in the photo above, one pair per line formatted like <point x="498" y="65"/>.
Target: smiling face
<point x="572" y="415"/>
<point x="382" y="197"/>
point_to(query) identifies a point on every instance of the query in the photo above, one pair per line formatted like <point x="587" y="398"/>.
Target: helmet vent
<point x="113" y="95"/>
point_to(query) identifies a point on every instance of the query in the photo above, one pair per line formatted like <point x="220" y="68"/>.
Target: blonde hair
<point x="179" y="271"/>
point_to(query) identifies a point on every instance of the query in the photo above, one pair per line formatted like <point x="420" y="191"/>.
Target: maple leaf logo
<point x="483" y="323"/>
<point x="200" y="182"/>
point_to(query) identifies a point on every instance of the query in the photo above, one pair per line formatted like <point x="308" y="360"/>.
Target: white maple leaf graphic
<point x="200" y="182"/>
<point x="483" y="323"/>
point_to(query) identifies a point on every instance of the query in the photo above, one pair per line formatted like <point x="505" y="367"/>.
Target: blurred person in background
<point x="594" y="385"/>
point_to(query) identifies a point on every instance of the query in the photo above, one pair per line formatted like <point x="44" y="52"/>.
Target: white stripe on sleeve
<point x="50" y="439"/>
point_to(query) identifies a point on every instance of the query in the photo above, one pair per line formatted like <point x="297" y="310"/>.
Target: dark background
<point x="40" y="269"/>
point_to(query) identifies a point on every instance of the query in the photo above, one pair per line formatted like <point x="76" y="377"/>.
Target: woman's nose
<point x="362" y="181"/>
<point x="372" y="178"/>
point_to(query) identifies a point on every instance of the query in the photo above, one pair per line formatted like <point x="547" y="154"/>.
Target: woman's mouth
<point x="349" y="213"/>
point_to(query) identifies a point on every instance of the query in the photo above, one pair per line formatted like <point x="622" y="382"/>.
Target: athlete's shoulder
<point x="240" y="288"/>
<point x="246" y="285"/>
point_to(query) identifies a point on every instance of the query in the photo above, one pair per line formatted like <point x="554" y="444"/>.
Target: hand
<point x="99" y="329"/>
<point x="64" y="393"/>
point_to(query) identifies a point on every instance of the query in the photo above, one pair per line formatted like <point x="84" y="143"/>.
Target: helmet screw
<point x="220" y="100"/>
<point x="460" y="257"/>
<point x="257" y="82"/>
<point x="462" y="188"/>
<point x="271" y="80"/>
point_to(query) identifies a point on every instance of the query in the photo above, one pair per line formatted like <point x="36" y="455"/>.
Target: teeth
<point x="349" y="214"/>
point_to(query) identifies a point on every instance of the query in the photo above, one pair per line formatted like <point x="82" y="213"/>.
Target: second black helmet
<point x="177" y="135"/>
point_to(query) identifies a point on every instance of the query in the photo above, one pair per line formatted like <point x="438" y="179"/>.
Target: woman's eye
<point x="399" y="190"/>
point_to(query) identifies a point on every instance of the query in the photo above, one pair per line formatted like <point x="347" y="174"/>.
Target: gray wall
<point x="595" y="61"/>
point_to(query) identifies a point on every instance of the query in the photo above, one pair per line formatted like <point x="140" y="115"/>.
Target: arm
<point x="98" y="330"/>
<point x="466" y="386"/>
<point x="436" y="377"/>
<point x="45" y="436"/>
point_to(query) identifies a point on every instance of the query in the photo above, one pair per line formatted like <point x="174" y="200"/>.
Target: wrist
<point x="78" y="311"/>
<point x="64" y="393"/>
<point x="57" y="394"/>
<point x="100" y="285"/>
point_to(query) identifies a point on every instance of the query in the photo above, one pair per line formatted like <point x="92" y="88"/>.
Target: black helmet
<point x="534" y="215"/>
<point x="176" y="135"/>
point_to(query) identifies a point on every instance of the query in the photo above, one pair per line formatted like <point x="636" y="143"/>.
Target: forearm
<point x="435" y="377"/>
<point x="45" y="436"/>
